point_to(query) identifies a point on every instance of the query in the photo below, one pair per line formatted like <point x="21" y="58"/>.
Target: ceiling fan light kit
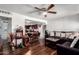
<point x="45" y="14"/>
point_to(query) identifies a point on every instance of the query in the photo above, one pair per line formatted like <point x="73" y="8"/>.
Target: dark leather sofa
<point x="64" y="49"/>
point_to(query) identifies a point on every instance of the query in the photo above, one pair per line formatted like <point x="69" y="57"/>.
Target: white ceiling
<point x="26" y="9"/>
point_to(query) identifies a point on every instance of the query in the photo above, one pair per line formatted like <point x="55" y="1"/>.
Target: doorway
<point x="36" y="32"/>
<point x="5" y="28"/>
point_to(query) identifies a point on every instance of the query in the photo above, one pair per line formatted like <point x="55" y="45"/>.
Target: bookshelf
<point x="32" y="31"/>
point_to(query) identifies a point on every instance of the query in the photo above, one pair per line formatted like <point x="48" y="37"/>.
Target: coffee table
<point x="51" y="42"/>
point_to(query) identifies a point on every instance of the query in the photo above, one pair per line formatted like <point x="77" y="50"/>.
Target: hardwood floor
<point x="37" y="49"/>
<point x="19" y="51"/>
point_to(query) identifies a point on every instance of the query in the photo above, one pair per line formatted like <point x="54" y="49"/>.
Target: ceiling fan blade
<point x="37" y="8"/>
<point x="50" y="6"/>
<point x="52" y="12"/>
<point x="40" y="9"/>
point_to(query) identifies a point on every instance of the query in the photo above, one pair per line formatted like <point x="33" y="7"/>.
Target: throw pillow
<point x="74" y="42"/>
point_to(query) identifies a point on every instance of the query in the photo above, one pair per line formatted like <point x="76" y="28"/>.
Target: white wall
<point x="68" y="23"/>
<point x="42" y="34"/>
<point x="18" y="19"/>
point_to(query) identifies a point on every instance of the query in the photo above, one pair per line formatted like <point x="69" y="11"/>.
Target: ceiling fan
<point x="45" y="11"/>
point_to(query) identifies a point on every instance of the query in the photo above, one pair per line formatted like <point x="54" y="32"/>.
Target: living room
<point x="39" y="29"/>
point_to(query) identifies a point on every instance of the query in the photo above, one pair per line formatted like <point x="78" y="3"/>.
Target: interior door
<point x="5" y="27"/>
